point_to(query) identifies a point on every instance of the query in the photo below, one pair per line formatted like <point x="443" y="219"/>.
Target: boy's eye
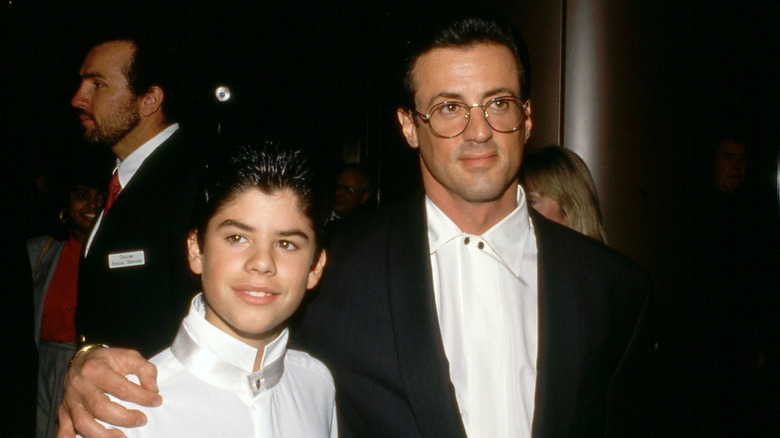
<point x="235" y="238"/>
<point x="287" y="245"/>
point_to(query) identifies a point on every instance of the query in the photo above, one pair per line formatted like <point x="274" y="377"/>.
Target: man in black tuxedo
<point x="461" y="312"/>
<point x="134" y="283"/>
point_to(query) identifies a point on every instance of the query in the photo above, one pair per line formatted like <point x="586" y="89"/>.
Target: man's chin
<point x="94" y="138"/>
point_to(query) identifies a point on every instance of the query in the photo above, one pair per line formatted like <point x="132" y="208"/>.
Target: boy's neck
<point x="254" y="340"/>
<point x="262" y="343"/>
<point x="258" y="360"/>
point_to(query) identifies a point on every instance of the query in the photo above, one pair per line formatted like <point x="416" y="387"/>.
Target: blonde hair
<point x="560" y="174"/>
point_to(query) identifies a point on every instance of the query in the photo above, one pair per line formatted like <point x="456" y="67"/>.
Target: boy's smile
<point x="256" y="264"/>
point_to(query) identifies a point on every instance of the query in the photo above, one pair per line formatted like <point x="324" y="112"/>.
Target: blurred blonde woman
<point x="560" y="188"/>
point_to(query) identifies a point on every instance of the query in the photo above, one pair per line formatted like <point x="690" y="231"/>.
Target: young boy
<point x="256" y="247"/>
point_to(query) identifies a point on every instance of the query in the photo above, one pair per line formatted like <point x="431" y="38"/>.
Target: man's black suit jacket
<point x="374" y="324"/>
<point x="142" y="306"/>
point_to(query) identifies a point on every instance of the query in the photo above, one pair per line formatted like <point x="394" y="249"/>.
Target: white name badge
<point x="126" y="259"/>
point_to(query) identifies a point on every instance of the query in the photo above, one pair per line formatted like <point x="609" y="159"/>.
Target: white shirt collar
<point x="127" y="168"/>
<point x="222" y="360"/>
<point x="502" y="237"/>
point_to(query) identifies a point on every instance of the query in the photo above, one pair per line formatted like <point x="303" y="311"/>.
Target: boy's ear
<point x="316" y="270"/>
<point x="194" y="256"/>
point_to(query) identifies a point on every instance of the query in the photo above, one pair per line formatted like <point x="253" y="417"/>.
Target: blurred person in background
<point x="560" y="188"/>
<point x="353" y="191"/>
<point x="54" y="261"/>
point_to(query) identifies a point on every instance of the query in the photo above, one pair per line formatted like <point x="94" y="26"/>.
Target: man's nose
<point x="478" y="129"/>
<point x="80" y="100"/>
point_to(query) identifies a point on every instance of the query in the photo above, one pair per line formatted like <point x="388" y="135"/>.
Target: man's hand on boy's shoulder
<point x="93" y="374"/>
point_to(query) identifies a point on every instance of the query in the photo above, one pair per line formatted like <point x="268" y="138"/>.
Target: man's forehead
<point x="731" y="147"/>
<point x="107" y="55"/>
<point x="447" y="59"/>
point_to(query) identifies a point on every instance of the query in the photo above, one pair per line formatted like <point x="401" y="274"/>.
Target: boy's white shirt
<point x="209" y="389"/>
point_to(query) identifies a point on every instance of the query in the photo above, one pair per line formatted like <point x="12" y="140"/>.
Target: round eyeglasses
<point x="450" y="119"/>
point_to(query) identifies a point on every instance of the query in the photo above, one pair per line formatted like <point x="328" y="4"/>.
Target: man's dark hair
<point x="156" y="61"/>
<point x="269" y="168"/>
<point x="462" y="30"/>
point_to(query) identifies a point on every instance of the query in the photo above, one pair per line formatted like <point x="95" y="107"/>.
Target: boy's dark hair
<point x="269" y="168"/>
<point x="463" y="29"/>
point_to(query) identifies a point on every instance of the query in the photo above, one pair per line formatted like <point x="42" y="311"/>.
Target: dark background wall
<point x="641" y="90"/>
<point x="637" y="88"/>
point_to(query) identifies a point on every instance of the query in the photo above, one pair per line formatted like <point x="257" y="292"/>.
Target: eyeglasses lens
<point x="452" y="118"/>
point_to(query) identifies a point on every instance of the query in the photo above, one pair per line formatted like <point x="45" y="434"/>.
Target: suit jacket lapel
<point x="422" y="362"/>
<point x="560" y="352"/>
<point x="132" y="196"/>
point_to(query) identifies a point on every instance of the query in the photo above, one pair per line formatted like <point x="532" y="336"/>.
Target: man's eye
<point x="450" y="108"/>
<point x="498" y="104"/>
<point x="501" y="106"/>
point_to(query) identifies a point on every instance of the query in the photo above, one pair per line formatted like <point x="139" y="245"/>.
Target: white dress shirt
<point x="209" y="389"/>
<point x="486" y="299"/>
<point x="126" y="169"/>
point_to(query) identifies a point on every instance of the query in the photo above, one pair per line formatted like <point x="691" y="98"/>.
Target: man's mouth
<point x="478" y="160"/>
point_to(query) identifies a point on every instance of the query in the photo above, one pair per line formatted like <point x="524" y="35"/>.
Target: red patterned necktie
<point x="113" y="190"/>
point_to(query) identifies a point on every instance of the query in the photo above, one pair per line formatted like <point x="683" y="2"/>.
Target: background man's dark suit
<point x="141" y="307"/>
<point x="374" y="324"/>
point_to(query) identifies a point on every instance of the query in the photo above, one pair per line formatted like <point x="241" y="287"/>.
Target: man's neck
<point x="145" y="131"/>
<point x="474" y="217"/>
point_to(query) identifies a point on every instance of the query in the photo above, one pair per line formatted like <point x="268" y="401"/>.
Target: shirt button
<point x="480" y="245"/>
<point x="466" y="241"/>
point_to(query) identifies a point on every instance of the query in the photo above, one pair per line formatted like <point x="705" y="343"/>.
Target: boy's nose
<point x="262" y="261"/>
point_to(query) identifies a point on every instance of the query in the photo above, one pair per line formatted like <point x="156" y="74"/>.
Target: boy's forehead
<point x="255" y="197"/>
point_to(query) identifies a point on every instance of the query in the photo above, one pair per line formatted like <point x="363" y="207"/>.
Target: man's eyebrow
<point x="499" y="90"/>
<point x="445" y="94"/>
<point x="458" y="96"/>
<point x="91" y="75"/>
<point x="233" y="223"/>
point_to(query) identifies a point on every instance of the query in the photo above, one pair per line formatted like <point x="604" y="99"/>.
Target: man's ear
<point x="527" y="122"/>
<point x="408" y="127"/>
<point x="151" y="102"/>
<point x="194" y="255"/>
<point x="316" y="270"/>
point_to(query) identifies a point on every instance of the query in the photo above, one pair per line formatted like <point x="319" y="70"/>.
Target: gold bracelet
<point x="86" y="348"/>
